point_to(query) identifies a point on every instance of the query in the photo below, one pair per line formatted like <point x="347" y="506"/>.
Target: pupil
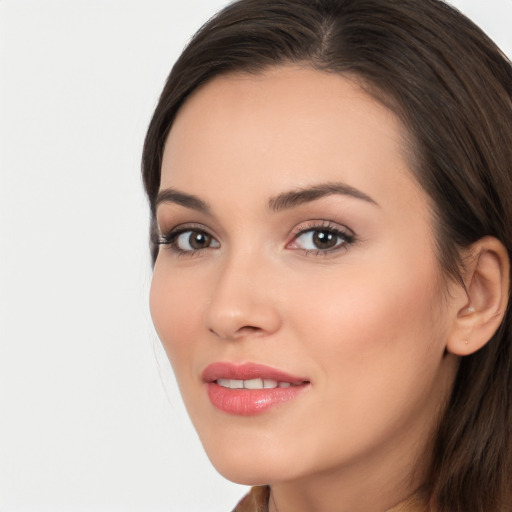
<point x="324" y="239"/>
<point x="199" y="240"/>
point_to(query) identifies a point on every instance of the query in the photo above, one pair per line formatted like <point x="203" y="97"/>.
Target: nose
<point x="243" y="301"/>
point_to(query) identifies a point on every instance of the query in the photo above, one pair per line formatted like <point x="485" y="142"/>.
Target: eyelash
<point x="343" y="234"/>
<point x="170" y="239"/>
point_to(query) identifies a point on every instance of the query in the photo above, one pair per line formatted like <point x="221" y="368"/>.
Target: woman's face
<point x="299" y="256"/>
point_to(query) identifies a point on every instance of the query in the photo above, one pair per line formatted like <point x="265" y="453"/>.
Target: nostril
<point x="246" y="330"/>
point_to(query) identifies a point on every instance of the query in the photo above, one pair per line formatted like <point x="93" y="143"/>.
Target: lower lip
<point x="248" y="402"/>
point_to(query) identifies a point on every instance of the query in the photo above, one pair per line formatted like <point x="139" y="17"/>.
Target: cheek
<point x="380" y="319"/>
<point x="176" y="314"/>
<point x="376" y="345"/>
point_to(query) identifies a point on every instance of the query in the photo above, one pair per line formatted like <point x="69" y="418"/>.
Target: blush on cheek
<point x="176" y="315"/>
<point x="163" y="308"/>
<point x="378" y="314"/>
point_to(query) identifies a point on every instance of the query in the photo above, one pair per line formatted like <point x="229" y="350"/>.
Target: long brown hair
<point x="452" y="88"/>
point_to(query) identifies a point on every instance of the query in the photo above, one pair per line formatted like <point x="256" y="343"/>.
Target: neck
<point x="322" y="496"/>
<point x="361" y="488"/>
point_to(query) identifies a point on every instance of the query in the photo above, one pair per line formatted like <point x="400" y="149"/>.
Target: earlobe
<point x="484" y="302"/>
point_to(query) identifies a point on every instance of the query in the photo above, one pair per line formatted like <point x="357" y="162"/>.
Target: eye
<point x="189" y="240"/>
<point x="321" y="239"/>
<point x="194" y="241"/>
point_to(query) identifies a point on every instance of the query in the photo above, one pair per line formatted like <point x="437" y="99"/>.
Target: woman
<point x="330" y="188"/>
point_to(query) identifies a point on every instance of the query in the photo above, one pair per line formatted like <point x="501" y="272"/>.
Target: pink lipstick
<point x="250" y="388"/>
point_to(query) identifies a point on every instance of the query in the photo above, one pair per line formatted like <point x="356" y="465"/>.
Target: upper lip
<point x="246" y="371"/>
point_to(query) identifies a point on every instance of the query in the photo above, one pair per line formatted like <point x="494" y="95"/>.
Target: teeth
<point x="252" y="384"/>
<point x="231" y="383"/>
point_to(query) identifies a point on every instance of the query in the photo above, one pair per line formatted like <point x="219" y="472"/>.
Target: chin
<point x="244" y="476"/>
<point x="254" y="466"/>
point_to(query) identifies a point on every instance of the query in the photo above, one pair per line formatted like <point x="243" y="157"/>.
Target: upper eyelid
<point x="318" y="225"/>
<point x="172" y="214"/>
<point x="184" y="226"/>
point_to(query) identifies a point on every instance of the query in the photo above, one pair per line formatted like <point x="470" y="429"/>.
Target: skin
<point x="367" y="323"/>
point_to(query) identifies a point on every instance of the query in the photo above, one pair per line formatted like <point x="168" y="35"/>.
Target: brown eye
<point x="192" y="240"/>
<point x="321" y="239"/>
<point x="325" y="239"/>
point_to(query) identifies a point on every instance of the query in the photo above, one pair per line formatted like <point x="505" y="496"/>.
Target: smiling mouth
<point x="250" y="388"/>
<point x="254" y="384"/>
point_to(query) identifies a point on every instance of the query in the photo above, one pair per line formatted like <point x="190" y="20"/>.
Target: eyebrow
<point x="283" y="201"/>
<point x="295" y="198"/>
<point x="171" y="195"/>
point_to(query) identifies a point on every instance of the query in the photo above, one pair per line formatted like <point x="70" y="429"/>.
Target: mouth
<point x="250" y="388"/>
<point x="253" y="384"/>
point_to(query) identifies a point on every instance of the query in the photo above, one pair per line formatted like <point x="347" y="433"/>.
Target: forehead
<point x="243" y="134"/>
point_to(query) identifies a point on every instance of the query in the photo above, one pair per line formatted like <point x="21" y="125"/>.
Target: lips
<point x="252" y="384"/>
<point x="250" y="388"/>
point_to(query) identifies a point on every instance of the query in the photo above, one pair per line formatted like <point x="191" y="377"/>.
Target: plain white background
<point x="90" y="417"/>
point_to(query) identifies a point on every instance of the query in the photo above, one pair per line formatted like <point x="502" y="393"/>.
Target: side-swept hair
<point x="452" y="88"/>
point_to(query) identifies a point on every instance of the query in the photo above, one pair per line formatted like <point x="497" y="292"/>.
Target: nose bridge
<point x="241" y="300"/>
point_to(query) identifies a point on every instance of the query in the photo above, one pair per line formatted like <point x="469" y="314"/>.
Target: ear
<point x="481" y="306"/>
